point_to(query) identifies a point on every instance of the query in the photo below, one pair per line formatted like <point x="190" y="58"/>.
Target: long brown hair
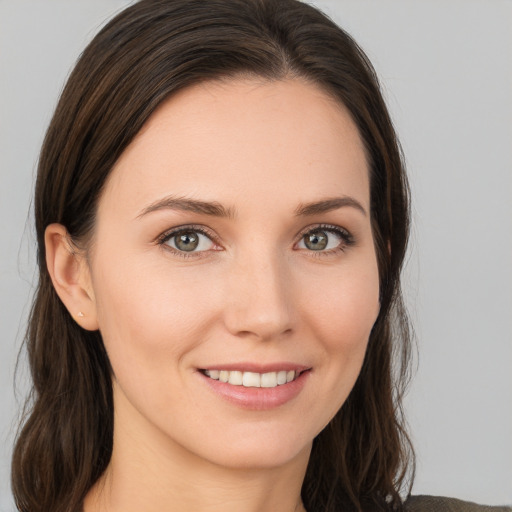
<point x="146" y="53"/>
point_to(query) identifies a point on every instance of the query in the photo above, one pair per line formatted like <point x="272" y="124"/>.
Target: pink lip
<point x="257" y="399"/>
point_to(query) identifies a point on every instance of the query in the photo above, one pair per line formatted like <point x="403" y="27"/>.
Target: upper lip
<point x="257" y="367"/>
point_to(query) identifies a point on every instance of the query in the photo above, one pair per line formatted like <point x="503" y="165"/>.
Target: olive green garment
<point x="438" y="504"/>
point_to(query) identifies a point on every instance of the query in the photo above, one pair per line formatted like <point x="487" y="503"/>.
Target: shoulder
<point x="440" y="504"/>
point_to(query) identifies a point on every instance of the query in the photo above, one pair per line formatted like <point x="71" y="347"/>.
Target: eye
<point x="187" y="240"/>
<point x="326" y="239"/>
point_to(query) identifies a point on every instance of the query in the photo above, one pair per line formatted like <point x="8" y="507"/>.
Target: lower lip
<point x="258" y="399"/>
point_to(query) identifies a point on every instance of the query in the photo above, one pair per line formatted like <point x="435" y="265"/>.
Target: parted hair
<point x="363" y="459"/>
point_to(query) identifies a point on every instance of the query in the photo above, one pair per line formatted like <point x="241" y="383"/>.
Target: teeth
<point x="269" y="380"/>
<point x="252" y="379"/>
<point x="235" y="378"/>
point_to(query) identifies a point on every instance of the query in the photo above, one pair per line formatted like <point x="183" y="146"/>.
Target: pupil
<point x="316" y="241"/>
<point x="187" y="241"/>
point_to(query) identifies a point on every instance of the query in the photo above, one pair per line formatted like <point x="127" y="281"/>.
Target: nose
<point x="259" y="298"/>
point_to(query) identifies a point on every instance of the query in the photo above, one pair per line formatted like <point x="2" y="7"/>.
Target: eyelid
<point x="346" y="236"/>
<point x="327" y="227"/>
<point x="163" y="237"/>
<point x="170" y="233"/>
<point x="343" y="233"/>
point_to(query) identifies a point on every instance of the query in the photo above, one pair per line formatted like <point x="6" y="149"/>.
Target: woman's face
<point x="233" y="242"/>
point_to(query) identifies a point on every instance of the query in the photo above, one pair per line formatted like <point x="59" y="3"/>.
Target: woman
<point x="222" y="215"/>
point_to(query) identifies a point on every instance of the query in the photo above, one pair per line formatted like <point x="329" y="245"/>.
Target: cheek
<point x="144" y="315"/>
<point x="342" y="317"/>
<point x="152" y="315"/>
<point x="346" y="307"/>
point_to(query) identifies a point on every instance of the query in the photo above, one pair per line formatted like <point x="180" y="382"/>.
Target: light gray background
<point x="446" y="69"/>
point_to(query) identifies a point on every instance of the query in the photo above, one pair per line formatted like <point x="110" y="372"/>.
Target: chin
<point x="255" y="445"/>
<point x="257" y="456"/>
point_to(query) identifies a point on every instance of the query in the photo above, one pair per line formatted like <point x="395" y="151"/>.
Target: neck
<point x="133" y="486"/>
<point x="151" y="473"/>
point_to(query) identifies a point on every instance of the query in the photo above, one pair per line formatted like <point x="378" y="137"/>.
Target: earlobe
<point x="70" y="276"/>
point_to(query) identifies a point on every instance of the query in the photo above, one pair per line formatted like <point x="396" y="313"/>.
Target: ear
<point x="70" y="275"/>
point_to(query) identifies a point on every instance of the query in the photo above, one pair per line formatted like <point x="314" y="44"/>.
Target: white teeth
<point x="252" y="379"/>
<point x="269" y="380"/>
<point x="214" y="374"/>
<point x="235" y="378"/>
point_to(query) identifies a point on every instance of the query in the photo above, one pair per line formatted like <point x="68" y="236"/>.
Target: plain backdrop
<point x="446" y="71"/>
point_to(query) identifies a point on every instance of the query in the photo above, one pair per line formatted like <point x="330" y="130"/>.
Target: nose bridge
<point x="259" y="295"/>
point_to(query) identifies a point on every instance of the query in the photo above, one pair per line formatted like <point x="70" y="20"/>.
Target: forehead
<point x="245" y="140"/>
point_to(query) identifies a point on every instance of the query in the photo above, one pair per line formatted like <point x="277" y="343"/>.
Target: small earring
<point x="80" y="314"/>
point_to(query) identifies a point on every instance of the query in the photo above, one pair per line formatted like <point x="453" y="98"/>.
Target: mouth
<point x="253" y="379"/>
<point x="256" y="387"/>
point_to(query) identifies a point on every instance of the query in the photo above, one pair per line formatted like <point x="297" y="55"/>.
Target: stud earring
<point x="80" y="314"/>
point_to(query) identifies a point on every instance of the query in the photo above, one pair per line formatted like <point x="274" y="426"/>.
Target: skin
<point x="255" y="292"/>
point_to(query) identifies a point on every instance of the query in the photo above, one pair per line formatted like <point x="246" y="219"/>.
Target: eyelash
<point x="343" y="234"/>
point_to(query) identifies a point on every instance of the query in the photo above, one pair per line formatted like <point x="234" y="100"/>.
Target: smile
<point x="253" y="379"/>
<point x="244" y="386"/>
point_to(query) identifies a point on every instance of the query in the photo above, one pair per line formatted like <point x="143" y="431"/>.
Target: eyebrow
<point x="327" y="205"/>
<point x="216" y="209"/>
<point x="185" y="204"/>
